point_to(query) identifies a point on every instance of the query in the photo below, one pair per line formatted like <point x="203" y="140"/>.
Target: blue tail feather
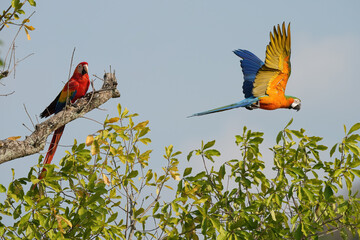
<point x="250" y="65"/>
<point x="243" y="103"/>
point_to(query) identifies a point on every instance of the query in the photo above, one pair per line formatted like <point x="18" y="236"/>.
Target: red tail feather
<point x="52" y="148"/>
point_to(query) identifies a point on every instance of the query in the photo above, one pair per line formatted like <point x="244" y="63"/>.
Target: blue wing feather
<point x="250" y="65"/>
<point x="61" y="104"/>
<point x="243" y="103"/>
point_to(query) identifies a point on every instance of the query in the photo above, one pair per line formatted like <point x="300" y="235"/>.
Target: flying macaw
<point x="74" y="89"/>
<point x="264" y="83"/>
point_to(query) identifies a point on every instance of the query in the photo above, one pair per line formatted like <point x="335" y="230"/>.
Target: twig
<point x="92" y="92"/>
<point x="13" y="41"/>
<point x="4" y="14"/>
<point x="98" y="77"/>
<point x="27" y="127"/>
<point x="29" y="116"/>
<point x="92" y="120"/>
<point x="14" y="60"/>
<point x="71" y="62"/>
<point x="18" y="61"/>
<point x="7" y="94"/>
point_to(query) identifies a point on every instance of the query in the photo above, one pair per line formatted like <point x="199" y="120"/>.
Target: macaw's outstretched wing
<point x="250" y="65"/>
<point x="243" y="103"/>
<point x="272" y="77"/>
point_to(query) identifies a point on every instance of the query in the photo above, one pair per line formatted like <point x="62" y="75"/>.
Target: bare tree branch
<point x="13" y="149"/>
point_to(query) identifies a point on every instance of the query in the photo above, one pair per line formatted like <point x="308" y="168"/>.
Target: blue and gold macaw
<point x="264" y="83"/>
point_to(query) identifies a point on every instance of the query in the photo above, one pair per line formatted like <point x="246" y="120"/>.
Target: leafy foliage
<point x="104" y="189"/>
<point x="237" y="201"/>
<point x="105" y="192"/>
<point x="12" y="16"/>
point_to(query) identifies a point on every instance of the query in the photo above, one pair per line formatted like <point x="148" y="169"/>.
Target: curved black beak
<point x="297" y="107"/>
<point x="84" y="70"/>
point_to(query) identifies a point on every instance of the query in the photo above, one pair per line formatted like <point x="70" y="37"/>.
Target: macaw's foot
<point x="255" y="105"/>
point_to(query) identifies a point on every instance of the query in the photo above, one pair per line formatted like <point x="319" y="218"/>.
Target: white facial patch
<point x="295" y="103"/>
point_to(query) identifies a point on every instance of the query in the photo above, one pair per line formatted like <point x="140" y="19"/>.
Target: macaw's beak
<point x="297" y="107"/>
<point x="85" y="70"/>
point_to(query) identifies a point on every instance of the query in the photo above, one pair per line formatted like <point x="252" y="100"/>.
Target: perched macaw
<point x="74" y="89"/>
<point x="264" y="83"/>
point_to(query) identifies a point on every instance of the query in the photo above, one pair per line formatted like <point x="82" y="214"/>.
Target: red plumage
<point x="74" y="89"/>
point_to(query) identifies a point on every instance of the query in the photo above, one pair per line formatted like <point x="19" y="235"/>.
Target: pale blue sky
<point x="174" y="58"/>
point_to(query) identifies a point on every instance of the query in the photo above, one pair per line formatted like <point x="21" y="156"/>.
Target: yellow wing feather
<point x="277" y="64"/>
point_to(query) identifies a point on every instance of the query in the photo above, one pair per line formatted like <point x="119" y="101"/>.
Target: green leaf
<point x="25" y="218"/>
<point x="353" y="148"/>
<point x="15" y="4"/>
<point x="333" y="150"/>
<point x="297" y="133"/>
<point x="156" y="207"/>
<point x="138" y="212"/>
<point x="189" y="155"/>
<point x="212" y="152"/>
<point x="216" y="223"/>
<point x="239" y="139"/>
<point x="355" y="163"/>
<point x="321" y="147"/>
<point x="354" y="138"/>
<point x="279" y="136"/>
<point x="197" y="177"/>
<point x="93" y="198"/>
<point x="209" y="144"/>
<point x="354" y="128"/>
<point x="119" y="109"/>
<point x="133" y="174"/>
<point x="2" y="188"/>
<point x="309" y="194"/>
<point x="298" y="171"/>
<point x="338" y="172"/>
<point x="289" y="123"/>
<point x="356" y="172"/>
<point x="201" y="200"/>
<point x="256" y="140"/>
<point x="168" y="151"/>
<point x="273" y="216"/>
<point x="222" y="172"/>
<point x="187" y="171"/>
<point x="298" y="233"/>
<point x="32" y="3"/>
<point x="328" y="192"/>
<point x="348" y="181"/>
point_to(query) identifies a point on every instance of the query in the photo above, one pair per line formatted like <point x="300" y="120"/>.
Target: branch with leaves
<point x="12" y="148"/>
<point x="12" y="16"/>
<point x="13" y="12"/>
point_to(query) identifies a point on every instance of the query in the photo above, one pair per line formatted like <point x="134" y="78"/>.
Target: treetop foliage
<point x="105" y="189"/>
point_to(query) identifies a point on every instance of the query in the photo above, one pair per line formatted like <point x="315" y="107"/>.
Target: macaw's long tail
<point x="243" y="103"/>
<point x="52" y="149"/>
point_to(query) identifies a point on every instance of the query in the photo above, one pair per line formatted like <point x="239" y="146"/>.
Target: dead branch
<point x="13" y="149"/>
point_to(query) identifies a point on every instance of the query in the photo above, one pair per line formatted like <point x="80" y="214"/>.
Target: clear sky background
<point x="174" y="58"/>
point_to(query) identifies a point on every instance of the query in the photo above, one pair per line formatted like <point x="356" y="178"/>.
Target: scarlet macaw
<point x="74" y="89"/>
<point x="264" y="83"/>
